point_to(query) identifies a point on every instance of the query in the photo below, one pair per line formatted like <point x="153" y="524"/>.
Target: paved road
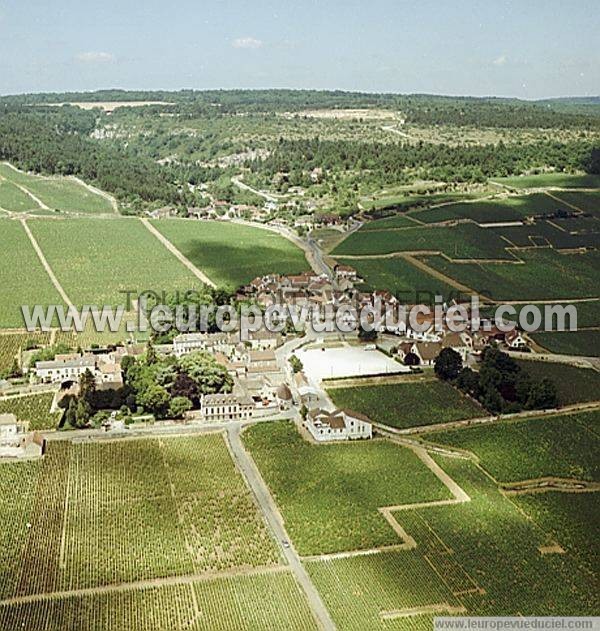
<point x="275" y="522"/>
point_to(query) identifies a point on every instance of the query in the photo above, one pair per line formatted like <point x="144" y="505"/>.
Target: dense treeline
<point x="437" y="162"/>
<point x="418" y="108"/>
<point x="57" y="142"/>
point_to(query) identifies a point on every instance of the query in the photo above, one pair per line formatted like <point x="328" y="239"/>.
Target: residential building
<point x="64" y="368"/>
<point x="226" y="407"/>
<point x="325" y="426"/>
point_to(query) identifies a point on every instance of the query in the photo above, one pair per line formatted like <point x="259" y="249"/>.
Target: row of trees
<point x="500" y="384"/>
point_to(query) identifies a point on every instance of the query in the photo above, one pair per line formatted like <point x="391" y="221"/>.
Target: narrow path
<point x="438" y="275"/>
<point x="38" y="251"/>
<point x="275" y="522"/>
<point x="268" y="197"/>
<point x="144" y="584"/>
<point x="100" y="192"/>
<point x="183" y="259"/>
<point x="36" y="199"/>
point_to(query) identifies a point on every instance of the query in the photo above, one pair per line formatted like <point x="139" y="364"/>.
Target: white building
<point x="15" y="441"/>
<point x="10" y="428"/>
<point x="64" y="367"/>
<point x="226" y="407"/>
<point x="326" y="426"/>
<point x="191" y="342"/>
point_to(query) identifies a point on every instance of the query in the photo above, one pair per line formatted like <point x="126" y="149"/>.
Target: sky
<point x="527" y="49"/>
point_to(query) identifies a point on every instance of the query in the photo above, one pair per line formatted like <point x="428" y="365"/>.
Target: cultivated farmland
<point x="22" y="277"/>
<point x="331" y="502"/>
<point x="459" y="242"/>
<point x="573" y="384"/>
<point x="14" y="199"/>
<point x="12" y="344"/>
<point x="233" y="254"/>
<point x="57" y="193"/>
<point x="558" y="180"/>
<point x="563" y="446"/>
<point x="573" y="276"/>
<point x="106" y="257"/>
<point x="583" y="342"/>
<point x="404" y="280"/>
<point x="259" y="601"/>
<point x="491" y="211"/>
<point x="34" y="408"/>
<point x="118" y="512"/>
<point x="408" y="404"/>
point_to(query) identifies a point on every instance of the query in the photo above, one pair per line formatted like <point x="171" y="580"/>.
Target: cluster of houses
<point x="104" y="364"/>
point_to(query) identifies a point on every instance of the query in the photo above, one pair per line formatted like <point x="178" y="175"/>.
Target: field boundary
<point x="46" y="265"/>
<point x="179" y="255"/>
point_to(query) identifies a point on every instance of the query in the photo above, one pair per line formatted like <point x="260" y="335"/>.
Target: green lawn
<point x="408" y="404"/>
<point x="574" y="385"/>
<point x="22" y="277"/>
<point x="585" y="343"/>
<point x="329" y="495"/>
<point x="232" y="254"/>
<point x="95" y="260"/>
<point x="563" y="446"/>
<point x="572" y="276"/>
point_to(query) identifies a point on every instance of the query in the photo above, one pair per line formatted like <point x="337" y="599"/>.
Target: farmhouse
<point x="426" y="352"/>
<point x="515" y="341"/>
<point x="326" y="426"/>
<point x="64" y="367"/>
<point x="226" y="407"/>
<point x="262" y="362"/>
<point x="15" y="441"/>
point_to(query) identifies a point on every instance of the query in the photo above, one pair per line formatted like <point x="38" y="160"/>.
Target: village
<point x="273" y="375"/>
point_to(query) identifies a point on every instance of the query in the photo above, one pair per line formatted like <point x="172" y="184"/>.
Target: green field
<point x="34" y="408"/>
<point x="560" y="180"/>
<point x="574" y="385"/>
<point x="62" y="194"/>
<point x="404" y="280"/>
<point x="585" y="343"/>
<point x="118" y="512"/>
<point x="563" y="446"/>
<point x="11" y="345"/>
<point x="459" y="242"/>
<point x="588" y="202"/>
<point x="22" y="277"/>
<point x="330" y="503"/>
<point x="261" y="601"/>
<point x="395" y="221"/>
<point x="544" y="234"/>
<point x="491" y="211"/>
<point x="482" y="555"/>
<point x="571" y="519"/>
<point x="233" y="254"/>
<point x="95" y="260"/>
<point x="572" y="276"/>
<point x="14" y="199"/>
<point x="408" y="404"/>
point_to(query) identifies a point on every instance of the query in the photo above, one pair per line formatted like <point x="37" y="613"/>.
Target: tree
<point x="411" y="359"/>
<point x="71" y="413"/>
<point x="209" y="376"/>
<point x="542" y="395"/>
<point x="83" y="412"/>
<point x="365" y="335"/>
<point x="87" y="386"/>
<point x="468" y="381"/>
<point x="185" y="386"/>
<point x="296" y="364"/>
<point x="448" y="364"/>
<point x="179" y="406"/>
<point x="155" y="399"/>
<point x="150" y="353"/>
